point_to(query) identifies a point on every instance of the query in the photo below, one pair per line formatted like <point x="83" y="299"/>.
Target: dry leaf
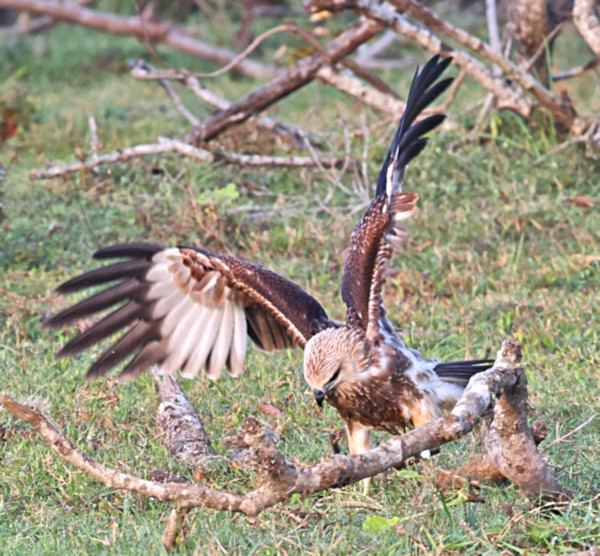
<point x="581" y="201"/>
<point x="269" y="409"/>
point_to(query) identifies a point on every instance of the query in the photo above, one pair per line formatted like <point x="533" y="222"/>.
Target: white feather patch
<point x="239" y="344"/>
<point x="222" y="344"/>
<point x="204" y="344"/>
<point x="158" y="273"/>
<point x="167" y="256"/>
<point x="182" y="340"/>
<point x="158" y="290"/>
<point x="165" y="305"/>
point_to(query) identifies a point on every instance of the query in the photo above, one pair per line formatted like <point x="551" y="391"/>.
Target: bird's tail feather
<point x="460" y="372"/>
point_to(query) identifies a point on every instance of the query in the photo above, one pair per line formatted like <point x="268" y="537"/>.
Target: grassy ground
<point x="494" y="251"/>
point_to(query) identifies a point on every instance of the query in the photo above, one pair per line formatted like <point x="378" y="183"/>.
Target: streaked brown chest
<point x="381" y="402"/>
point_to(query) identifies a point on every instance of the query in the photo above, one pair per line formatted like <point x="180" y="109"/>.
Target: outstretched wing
<point x="379" y="231"/>
<point x="185" y="308"/>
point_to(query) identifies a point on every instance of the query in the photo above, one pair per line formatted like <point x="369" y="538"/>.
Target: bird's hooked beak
<point x="327" y="387"/>
<point x="319" y="396"/>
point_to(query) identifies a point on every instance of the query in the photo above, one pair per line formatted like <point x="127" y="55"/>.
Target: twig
<point x="181" y="108"/>
<point x="542" y="47"/>
<point x="152" y="31"/>
<point x="570" y="433"/>
<point x="248" y="50"/>
<point x="369" y="51"/>
<point x="292" y="79"/>
<point x="144" y="71"/>
<point x="574" y="72"/>
<point x="492" y="24"/>
<point x="165" y="145"/>
<point x="508" y="97"/>
<point x="376" y="82"/>
<point x="94" y="142"/>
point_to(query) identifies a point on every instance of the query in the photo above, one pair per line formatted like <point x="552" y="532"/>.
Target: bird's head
<point x="331" y="357"/>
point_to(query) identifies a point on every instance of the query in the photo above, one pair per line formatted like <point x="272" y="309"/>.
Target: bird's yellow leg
<point x="359" y="441"/>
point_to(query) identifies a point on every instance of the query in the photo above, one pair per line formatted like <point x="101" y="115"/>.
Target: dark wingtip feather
<point x="130" y="250"/>
<point x="126" y="269"/>
<point x="93" y="304"/>
<point x="423" y="91"/>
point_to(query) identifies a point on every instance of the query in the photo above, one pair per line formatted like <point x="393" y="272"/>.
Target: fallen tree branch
<point x="282" y="477"/>
<point x="37" y="24"/>
<point x="165" y="145"/>
<point x="180" y="426"/>
<point x="144" y="30"/>
<point x="368" y="95"/>
<point x="292" y="79"/>
<point x="507" y="96"/>
<point x="563" y="111"/>
<point x="144" y="71"/>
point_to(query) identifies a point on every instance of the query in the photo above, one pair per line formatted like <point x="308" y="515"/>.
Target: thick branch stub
<point x="180" y="426"/>
<point x="508" y="440"/>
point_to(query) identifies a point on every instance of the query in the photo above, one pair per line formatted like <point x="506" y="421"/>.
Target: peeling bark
<point x="181" y="427"/>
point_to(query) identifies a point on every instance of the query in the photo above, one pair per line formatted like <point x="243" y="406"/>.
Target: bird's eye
<point x="335" y="375"/>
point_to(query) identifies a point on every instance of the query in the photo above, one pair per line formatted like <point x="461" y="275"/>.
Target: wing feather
<point x="186" y="308"/>
<point x="380" y="231"/>
<point x="222" y="345"/>
<point x="203" y="347"/>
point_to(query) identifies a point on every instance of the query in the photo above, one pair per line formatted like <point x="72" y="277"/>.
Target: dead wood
<point x="35" y="25"/>
<point x="144" y="71"/>
<point x="505" y="382"/>
<point x="508" y="96"/>
<point x="509" y="444"/>
<point x="586" y="21"/>
<point x="292" y="79"/>
<point x="144" y="29"/>
<point x="180" y="426"/>
<point x="165" y="145"/>
<point x="353" y="87"/>
<point x="528" y="21"/>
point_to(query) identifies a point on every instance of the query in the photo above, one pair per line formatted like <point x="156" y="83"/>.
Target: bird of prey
<point x="184" y="308"/>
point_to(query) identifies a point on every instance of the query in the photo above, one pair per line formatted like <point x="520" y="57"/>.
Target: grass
<point x="494" y="251"/>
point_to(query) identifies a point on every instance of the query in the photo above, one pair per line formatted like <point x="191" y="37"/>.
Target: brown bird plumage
<point x="184" y="308"/>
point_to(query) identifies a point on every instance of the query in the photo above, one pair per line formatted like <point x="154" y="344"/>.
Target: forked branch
<point x="510" y="447"/>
